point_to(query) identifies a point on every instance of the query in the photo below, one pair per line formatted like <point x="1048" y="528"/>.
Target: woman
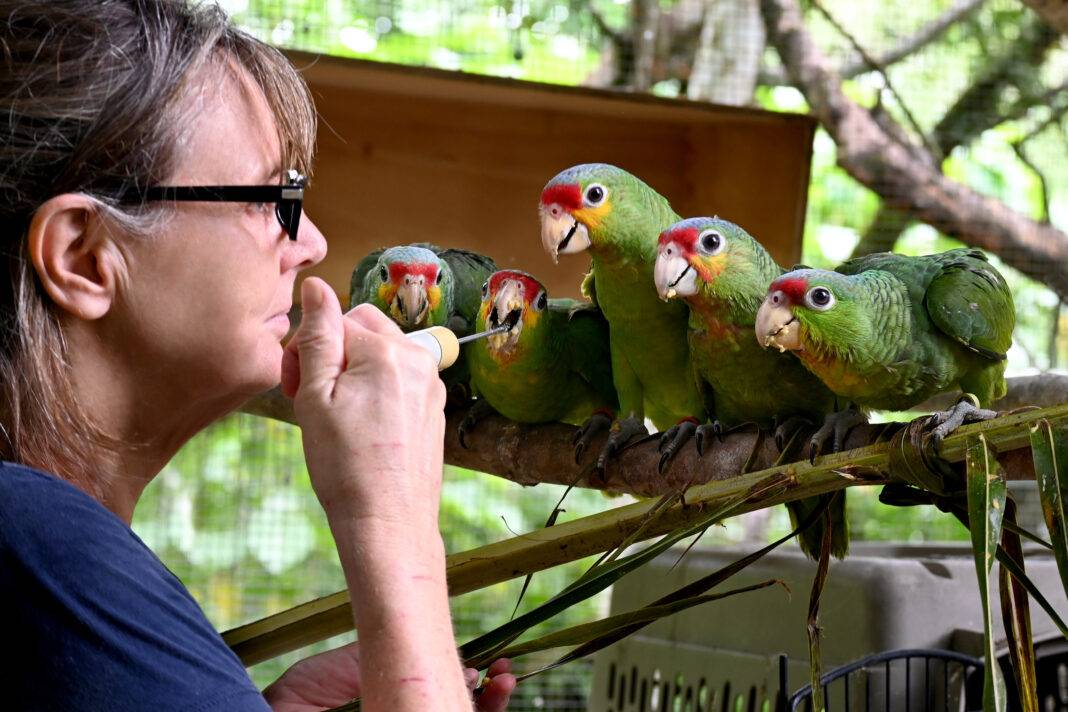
<point x="135" y="314"/>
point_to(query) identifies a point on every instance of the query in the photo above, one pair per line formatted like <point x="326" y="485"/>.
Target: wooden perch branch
<point x="534" y="454"/>
<point x="498" y="442"/>
<point x="870" y="155"/>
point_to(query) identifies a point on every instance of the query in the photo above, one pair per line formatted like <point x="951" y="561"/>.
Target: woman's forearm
<point x="396" y="578"/>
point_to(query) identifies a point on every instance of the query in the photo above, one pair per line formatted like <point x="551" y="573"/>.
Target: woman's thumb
<point x="319" y="342"/>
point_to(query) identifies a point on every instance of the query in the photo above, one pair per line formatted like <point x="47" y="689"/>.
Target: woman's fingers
<point x="315" y="356"/>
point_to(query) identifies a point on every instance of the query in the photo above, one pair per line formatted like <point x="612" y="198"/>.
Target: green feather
<point x="650" y="360"/>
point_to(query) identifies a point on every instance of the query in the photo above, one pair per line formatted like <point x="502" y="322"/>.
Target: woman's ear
<point x="70" y="251"/>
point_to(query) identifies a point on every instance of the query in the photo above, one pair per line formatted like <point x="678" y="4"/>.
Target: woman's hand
<point x="370" y="405"/>
<point x="332" y="678"/>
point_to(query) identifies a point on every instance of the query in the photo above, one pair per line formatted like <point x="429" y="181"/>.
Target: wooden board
<point x="410" y="154"/>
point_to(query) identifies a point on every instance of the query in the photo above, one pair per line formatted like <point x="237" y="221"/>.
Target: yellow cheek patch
<point x="386" y="292"/>
<point x="483" y="315"/>
<point x="592" y="217"/>
<point x="530" y="318"/>
<point x="433" y="296"/>
<point x="708" y="268"/>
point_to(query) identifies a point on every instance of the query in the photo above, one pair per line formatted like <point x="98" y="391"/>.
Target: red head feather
<point x="793" y="287"/>
<point x="399" y="270"/>
<point x="684" y="237"/>
<point x="531" y="286"/>
<point x="567" y="195"/>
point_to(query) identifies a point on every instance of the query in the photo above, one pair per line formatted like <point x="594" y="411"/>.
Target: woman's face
<point x="204" y="302"/>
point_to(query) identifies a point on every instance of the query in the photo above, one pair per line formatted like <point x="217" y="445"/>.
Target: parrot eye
<point x="596" y="194"/>
<point x="485" y="289"/>
<point x="384" y="274"/>
<point x="541" y="302"/>
<point x="437" y="280"/>
<point x="711" y="242"/>
<point x="819" y="298"/>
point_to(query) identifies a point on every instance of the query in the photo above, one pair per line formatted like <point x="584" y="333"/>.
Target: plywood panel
<point x="418" y="155"/>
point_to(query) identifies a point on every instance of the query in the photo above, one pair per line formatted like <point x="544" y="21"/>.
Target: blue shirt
<point x="92" y="620"/>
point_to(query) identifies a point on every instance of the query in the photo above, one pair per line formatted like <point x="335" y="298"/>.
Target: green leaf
<point x="986" y="509"/>
<point x="586" y="632"/>
<point x="691" y="589"/>
<point x="1018" y="573"/>
<point x="1049" y="448"/>
<point x="592" y="582"/>
<point x="1017" y="618"/>
<point x="813" y="622"/>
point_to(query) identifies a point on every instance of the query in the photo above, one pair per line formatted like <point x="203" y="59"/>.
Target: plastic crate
<point x="725" y="655"/>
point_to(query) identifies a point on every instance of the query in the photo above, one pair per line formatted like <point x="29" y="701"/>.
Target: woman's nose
<point x="308" y="249"/>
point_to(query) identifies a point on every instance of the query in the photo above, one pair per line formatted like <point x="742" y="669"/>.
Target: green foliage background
<point x="234" y="516"/>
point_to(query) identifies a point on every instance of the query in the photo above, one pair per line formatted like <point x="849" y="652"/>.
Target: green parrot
<point x="552" y="365"/>
<point x="603" y="209"/>
<point x="888" y="331"/>
<point x="722" y="274"/>
<point x="422" y="285"/>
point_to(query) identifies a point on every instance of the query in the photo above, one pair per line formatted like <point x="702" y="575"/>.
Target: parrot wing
<point x="969" y="301"/>
<point x="469" y="271"/>
<point x="587" y="346"/>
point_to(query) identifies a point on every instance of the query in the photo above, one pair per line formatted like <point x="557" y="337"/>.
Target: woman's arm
<point x="370" y="407"/>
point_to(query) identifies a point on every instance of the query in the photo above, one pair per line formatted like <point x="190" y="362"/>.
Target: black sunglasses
<point x="288" y="197"/>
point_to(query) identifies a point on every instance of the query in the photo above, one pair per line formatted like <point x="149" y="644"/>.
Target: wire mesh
<point x="977" y="86"/>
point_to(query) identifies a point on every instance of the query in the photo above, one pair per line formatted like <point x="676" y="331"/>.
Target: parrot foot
<point x="966" y="410"/>
<point x="621" y="432"/>
<point x="836" y="426"/>
<point x="597" y="422"/>
<point x="475" y="413"/>
<point x="458" y="395"/>
<point x="787" y="429"/>
<point x="672" y="440"/>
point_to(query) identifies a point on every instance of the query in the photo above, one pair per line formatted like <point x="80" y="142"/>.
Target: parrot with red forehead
<point x="721" y="272"/>
<point x="422" y="285"/>
<point x="550" y="366"/>
<point x="616" y="218"/>
<point x="889" y="331"/>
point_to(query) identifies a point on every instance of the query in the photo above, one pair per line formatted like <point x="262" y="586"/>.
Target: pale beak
<point x="561" y="233"/>
<point x="673" y="274"/>
<point x="776" y="324"/>
<point x="507" y="306"/>
<point x="410" y="305"/>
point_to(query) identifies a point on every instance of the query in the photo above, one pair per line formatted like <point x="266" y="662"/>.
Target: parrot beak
<point x="561" y="233"/>
<point x="777" y="326"/>
<point x="673" y="274"/>
<point x="507" y="309"/>
<point x="410" y="305"/>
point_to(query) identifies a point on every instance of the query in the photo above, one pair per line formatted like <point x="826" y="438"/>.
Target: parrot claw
<point x="593" y="426"/>
<point x="787" y="430"/>
<point x="479" y="410"/>
<point x="703" y="438"/>
<point x="966" y="410"/>
<point x="672" y="440"/>
<point x="619" y="434"/>
<point x="836" y="427"/>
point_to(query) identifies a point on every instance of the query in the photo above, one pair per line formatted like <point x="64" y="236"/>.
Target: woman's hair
<point x="93" y="100"/>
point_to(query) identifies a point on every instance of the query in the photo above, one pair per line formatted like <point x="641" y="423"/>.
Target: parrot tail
<point x="811" y="538"/>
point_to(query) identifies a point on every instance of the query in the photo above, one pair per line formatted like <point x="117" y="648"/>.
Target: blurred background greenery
<point x="234" y="515"/>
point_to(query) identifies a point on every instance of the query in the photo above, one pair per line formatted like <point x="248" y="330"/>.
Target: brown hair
<point x="91" y="101"/>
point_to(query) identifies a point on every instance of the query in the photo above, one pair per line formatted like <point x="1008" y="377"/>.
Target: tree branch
<point x="1054" y="12"/>
<point x="975" y="110"/>
<point x="543" y="453"/>
<point x="867" y="153"/>
<point x="909" y="46"/>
